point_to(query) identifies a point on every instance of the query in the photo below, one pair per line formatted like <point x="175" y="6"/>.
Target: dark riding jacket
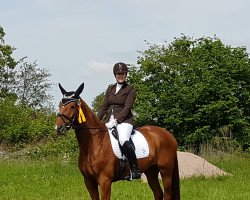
<point x="119" y="104"/>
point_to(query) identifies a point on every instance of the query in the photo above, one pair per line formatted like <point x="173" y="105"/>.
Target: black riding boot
<point x="130" y="154"/>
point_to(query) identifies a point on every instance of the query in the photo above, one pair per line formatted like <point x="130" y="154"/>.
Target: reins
<point x="80" y="126"/>
<point x="71" y="120"/>
<point x="94" y="128"/>
<point x="73" y="123"/>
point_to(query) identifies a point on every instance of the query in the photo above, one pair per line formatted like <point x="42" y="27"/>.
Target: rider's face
<point x="120" y="77"/>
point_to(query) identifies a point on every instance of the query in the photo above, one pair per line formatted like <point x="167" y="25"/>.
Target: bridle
<point x="73" y="123"/>
<point x="72" y="120"/>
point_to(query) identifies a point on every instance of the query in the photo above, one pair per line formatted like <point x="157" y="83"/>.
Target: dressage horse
<point x="97" y="161"/>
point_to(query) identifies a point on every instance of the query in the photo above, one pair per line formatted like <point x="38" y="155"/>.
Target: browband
<point x="65" y="101"/>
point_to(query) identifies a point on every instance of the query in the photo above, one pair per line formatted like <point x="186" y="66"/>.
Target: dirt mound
<point x="193" y="165"/>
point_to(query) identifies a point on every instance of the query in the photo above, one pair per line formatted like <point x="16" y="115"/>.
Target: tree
<point x="33" y="85"/>
<point x="26" y="82"/>
<point x="194" y="87"/>
<point x="7" y="65"/>
<point x="98" y="101"/>
<point x="22" y="85"/>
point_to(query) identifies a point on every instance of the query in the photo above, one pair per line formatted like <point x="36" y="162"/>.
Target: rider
<point x="116" y="112"/>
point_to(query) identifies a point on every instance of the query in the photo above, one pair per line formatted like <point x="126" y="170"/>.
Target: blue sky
<point x="80" y="40"/>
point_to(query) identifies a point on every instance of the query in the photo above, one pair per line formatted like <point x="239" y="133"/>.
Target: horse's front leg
<point x="105" y="187"/>
<point x="92" y="187"/>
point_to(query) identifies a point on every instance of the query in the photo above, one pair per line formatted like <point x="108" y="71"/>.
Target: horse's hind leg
<point x="153" y="182"/>
<point x="167" y="182"/>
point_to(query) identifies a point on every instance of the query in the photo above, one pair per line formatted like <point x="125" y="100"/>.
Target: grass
<point x="26" y="179"/>
<point x="236" y="186"/>
<point x="60" y="179"/>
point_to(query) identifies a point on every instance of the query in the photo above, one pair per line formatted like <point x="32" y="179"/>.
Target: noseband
<point x="71" y="120"/>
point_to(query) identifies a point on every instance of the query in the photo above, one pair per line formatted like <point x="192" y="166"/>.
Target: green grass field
<point x="236" y="186"/>
<point x="54" y="179"/>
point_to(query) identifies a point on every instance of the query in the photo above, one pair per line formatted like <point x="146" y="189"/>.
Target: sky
<point x="80" y="40"/>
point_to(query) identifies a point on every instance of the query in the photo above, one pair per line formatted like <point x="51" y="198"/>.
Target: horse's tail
<point x="176" y="181"/>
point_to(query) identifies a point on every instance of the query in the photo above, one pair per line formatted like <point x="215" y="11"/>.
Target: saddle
<point x="140" y="146"/>
<point x="116" y="136"/>
<point x="123" y="170"/>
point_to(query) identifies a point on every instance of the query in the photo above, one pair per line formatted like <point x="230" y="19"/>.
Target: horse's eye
<point x="73" y="107"/>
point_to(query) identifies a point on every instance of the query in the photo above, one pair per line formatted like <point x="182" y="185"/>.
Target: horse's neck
<point x="91" y="134"/>
<point x="91" y="142"/>
<point x="91" y="118"/>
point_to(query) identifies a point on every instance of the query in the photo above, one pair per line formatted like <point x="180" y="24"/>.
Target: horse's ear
<point x="79" y="90"/>
<point x="62" y="89"/>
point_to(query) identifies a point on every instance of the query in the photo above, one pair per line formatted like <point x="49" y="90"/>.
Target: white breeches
<point x="124" y="132"/>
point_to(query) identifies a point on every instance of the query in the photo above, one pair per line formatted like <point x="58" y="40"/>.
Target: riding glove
<point x="111" y="124"/>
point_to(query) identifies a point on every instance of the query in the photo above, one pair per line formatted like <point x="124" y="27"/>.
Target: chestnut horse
<point x="97" y="162"/>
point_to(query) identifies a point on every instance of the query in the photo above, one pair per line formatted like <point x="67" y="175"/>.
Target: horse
<point x="100" y="166"/>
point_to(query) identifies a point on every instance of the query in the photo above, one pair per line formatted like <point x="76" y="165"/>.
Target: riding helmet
<point x="120" y="68"/>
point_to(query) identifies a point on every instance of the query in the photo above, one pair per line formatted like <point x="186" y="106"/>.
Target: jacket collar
<point x="123" y="86"/>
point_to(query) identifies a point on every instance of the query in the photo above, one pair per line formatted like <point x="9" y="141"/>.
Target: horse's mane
<point x="91" y="116"/>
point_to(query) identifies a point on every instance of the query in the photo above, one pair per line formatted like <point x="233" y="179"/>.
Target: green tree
<point x="23" y="84"/>
<point x="33" y="85"/>
<point x="7" y="65"/>
<point x="98" y="101"/>
<point x="194" y="87"/>
<point x="26" y="82"/>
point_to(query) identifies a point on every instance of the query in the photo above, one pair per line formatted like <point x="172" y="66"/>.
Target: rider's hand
<point x="111" y="124"/>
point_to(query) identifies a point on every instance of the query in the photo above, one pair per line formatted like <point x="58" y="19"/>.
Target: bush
<point x="19" y="125"/>
<point x="65" y="146"/>
<point x="220" y="145"/>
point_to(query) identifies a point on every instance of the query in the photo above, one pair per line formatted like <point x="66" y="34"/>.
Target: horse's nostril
<point x="60" y="129"/>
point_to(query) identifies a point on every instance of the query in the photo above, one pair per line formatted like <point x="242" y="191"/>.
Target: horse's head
<point x="68" y="109"/>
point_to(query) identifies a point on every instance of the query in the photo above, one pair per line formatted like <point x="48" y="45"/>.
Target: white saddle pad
<point x="141" y="145"/>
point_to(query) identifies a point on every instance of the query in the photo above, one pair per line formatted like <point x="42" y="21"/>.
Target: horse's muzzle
<point x="61" y="129"/>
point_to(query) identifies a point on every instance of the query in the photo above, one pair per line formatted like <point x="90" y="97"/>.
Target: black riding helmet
<point x="120" y="68"/>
